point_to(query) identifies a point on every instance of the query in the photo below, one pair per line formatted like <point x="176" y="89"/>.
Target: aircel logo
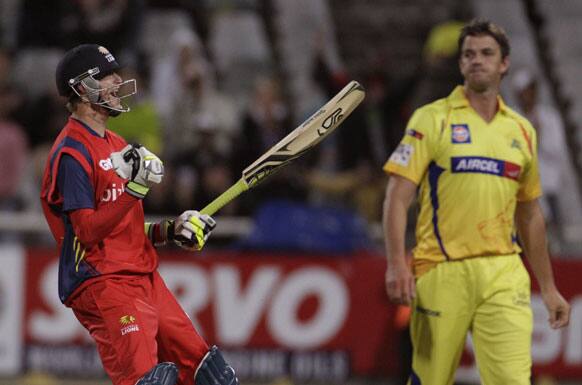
<point x="483" y="165"/>
<point x="330" y="121"/>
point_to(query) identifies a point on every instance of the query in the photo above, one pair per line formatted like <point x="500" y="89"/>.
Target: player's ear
<point x="505" y="64"/>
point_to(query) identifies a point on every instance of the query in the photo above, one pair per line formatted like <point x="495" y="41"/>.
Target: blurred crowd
<point x="216" y="90"/>
<point x="210" y="101"/>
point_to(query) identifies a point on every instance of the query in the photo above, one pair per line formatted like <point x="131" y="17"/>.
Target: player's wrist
<point x="397" y="260"/>
<point x="169" y="229"/>
<point x="137" y="190"/>
<point x="547" y="287"/>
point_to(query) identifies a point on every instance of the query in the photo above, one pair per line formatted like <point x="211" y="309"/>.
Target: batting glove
<point x="141" y="167"/>
<point x="192" y="229"/>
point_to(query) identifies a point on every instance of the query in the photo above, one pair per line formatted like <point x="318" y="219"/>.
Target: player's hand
<point x="558" y="308"/>
<point x="400" y="284"/>
<point x="141" y="167"/>
<point x="192" y="229"/>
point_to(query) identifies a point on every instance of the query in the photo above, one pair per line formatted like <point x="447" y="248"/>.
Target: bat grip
<point x="224" y="198"/>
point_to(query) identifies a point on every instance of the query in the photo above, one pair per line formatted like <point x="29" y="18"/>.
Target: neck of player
<point x="93" y="116"/>
<point x="485" y="103"/>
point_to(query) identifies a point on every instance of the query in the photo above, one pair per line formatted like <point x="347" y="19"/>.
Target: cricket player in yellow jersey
<point x="473" y="161"/>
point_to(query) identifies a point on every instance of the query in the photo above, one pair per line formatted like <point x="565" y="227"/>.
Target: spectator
<point x="199" y="110"/>
<point x="198" y="13"/>
<point x="34" y="28"/>
<point x="167" y="84"/>
<point x="114" y="23"/>
<point x="346" y="166"/>
<point x="551" y="147"/>
<point x="265" y="122"/>
<point x="5" y="65"/>
<point x="13" y="152"/>
<point x="439" y="57"/>
<point x="201" y="123"/>
<point x="45" y="117"/>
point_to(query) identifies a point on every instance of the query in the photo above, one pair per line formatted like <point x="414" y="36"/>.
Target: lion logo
<point x="126" y="320"/>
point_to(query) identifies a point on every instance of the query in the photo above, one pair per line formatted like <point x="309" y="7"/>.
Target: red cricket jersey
<point x="126" y="249"/>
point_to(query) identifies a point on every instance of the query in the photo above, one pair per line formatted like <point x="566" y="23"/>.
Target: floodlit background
<point x="291" y="283"/>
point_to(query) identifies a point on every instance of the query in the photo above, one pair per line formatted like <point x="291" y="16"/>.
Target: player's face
<point x="110" y="85"/>
<point x="481" y="63"/>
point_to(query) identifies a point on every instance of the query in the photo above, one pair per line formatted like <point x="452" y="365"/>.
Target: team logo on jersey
<point x="106" y="164"/>
<point x="483" y="165"/>
<point x="128" y="324"/>
<point x="401" y="156"/>
<point x="108" y="56"/>
<point x="521" y="298"/>
<point x="515" y="144"/>
<point x="126" y="320"/>
<point x="415" y="134"/>
<point x="460" y="133"/>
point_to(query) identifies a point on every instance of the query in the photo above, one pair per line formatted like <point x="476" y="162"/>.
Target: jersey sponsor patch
<point x="415" y="134"/>
<point x="460" y="133"/>
<point x="401" y="156"/>
<point x="112" y="193"/>
<point x="483" y="165"/>
<point x="106" y="164"/>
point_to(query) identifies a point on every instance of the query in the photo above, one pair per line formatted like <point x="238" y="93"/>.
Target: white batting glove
<point x="192" y="229"/>
<point x="141" y="167"/>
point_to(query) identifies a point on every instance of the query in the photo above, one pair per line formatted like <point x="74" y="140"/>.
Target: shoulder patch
<point x="415" y="134"/>
<point x="401" y="156"/>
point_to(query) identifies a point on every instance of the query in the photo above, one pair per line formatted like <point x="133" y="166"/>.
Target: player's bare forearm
<point x="532" y="232"/>
<point x="399" y="195"/>
<point x="400" y="284"/>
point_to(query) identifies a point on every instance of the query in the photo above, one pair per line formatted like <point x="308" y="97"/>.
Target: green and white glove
<point x="139" y="166"/>
<point x="192" y="229"/>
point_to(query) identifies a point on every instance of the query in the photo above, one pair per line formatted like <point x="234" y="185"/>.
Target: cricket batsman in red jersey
<point x="92" y="192"/>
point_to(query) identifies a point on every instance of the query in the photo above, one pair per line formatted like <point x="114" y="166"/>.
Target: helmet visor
<point x="108" y="97"/>
<point x="113" y="97"/>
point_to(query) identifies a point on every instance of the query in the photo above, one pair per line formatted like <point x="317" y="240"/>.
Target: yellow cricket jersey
<point x="470" y="174"/>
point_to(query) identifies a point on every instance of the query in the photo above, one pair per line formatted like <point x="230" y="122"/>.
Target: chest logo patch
<point x="106" y="164"/>
<point x="483" y="165"/>
<point x="515" y="144"/>
<point x="460" y="133"/>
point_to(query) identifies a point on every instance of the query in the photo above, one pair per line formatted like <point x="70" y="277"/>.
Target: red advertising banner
<point x="311" y="316"/>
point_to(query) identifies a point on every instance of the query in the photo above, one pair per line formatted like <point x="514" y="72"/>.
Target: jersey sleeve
<point x="74" y="185"/>
<point x="415" y="151"/>
<point x="529" y="184"/>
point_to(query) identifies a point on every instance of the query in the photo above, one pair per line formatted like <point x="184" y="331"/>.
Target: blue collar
<point x="86" y="126"/>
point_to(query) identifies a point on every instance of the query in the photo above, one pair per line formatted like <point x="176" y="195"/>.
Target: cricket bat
<point x="312" y="131"/>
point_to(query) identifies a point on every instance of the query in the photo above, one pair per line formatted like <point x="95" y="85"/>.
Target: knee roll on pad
<point x="213" y="370"/>
<point x="165" y="373"/>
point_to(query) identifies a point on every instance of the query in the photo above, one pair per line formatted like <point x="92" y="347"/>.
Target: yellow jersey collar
<point x="457" y="99"/>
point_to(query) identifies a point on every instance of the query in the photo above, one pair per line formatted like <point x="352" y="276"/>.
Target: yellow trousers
<point x="486" y="296"/>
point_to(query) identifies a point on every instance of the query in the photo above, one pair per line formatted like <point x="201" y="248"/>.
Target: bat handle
<point x="234" y="191"/>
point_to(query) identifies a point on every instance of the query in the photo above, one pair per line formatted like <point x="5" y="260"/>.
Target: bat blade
<point x="312" y="131"/>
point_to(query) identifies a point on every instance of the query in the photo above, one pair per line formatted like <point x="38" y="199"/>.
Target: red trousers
<point x="137" y="323"/>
